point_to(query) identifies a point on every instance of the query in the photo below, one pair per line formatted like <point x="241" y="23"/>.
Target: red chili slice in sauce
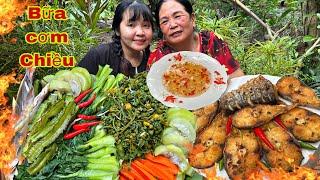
<point x="178" y="57"/>
<point x="170" y="98"/>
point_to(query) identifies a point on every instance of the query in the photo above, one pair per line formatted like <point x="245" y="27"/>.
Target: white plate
<point x="235" y="83"/>
<point x="159" y="92"/>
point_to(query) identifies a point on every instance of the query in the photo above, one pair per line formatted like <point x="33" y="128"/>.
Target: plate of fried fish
<point x="254" y="129"/>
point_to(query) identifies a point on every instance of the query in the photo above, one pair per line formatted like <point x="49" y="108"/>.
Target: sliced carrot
<point x="164" y="161"/>
<point x="154" y="172"/>
<point x="163" y="171"/>
<point x="146" y="175"/>
<point x="173" y="171"/>
<point x="136" y="175"/>
<point x="126" y="174"/>
<point x="121" y="177"/>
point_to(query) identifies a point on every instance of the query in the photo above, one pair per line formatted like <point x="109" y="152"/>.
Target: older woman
<point x="177" y="23"/>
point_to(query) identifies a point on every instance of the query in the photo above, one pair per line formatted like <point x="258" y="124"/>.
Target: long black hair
<point x="136" y="9"/>
<point x="185" y="3"/>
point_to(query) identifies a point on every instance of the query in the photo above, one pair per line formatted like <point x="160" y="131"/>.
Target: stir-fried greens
<point x="135" y="118"/>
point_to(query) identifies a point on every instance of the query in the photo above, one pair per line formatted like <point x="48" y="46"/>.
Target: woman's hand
<point x="236" y="73"/>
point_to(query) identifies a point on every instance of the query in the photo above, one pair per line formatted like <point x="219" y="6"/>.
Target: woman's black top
<point x="107" y="54"/>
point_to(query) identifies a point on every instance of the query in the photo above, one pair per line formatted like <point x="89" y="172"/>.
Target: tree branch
<point x="307" y="53"/>
<point x="315" y="44"/>
<point x="282" y="29"/>
<point x="254" y="16"/>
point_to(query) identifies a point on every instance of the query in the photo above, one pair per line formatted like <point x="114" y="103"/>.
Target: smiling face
<point x="134" y="35"/>
<point x="176" y="23"/>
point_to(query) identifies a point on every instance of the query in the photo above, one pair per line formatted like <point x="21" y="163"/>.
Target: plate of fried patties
<point x="260" y="122"/>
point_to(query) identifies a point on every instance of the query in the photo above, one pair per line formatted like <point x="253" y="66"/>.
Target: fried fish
<point x="211" y="140"/>
<point x="303" y="124"/>
<point x="241" y="154"/>
<point x="292" y="89"/>
<point x="286" y="155"/>
<point x="258" y="90"/>
<point x="205" y="115"/>
<point x="250" y="117"/>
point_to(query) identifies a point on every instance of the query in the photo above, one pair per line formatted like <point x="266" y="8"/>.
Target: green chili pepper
<point x="306" y="145"/>
<point x="221" y="164"/>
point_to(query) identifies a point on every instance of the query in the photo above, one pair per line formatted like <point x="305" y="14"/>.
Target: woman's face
<point x="176" y="23"/>
<point x="135" y="35"/>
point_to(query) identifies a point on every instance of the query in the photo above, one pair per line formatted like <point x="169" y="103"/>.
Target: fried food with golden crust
<point x="250" y="117"/>
<point x="241" y="153"/>
<point x="205" y="115"/>
<point x="258" y="90"/>
<point x="206" y="157"/>
<point x="212" y="140"/>
<point x="286" y="155"/>
<point x="303" y="124"/>
<point x="292" y="89"/>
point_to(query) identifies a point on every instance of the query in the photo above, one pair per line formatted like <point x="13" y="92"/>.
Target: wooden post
<point x="310" y="20"/>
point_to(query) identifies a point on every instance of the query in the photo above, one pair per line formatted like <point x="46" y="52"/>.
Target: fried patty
<point x="205" y="115"/>
<point x="286" y="155"/>
<point x="241" y="153"/>
<point x="303" y="124"/>
<point x="258" y="115"/>
<point x="212" y="140"/>
<point x="292" y="89"/>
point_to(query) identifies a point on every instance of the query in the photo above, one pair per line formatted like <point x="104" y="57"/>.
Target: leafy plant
<point x="88" y="12"/>
<point x="278" y="57"/>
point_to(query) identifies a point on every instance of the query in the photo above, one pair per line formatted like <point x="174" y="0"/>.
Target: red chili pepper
<point x="178" y="57"/>
<point x="229" y="125"/>
<point x="219" y="80"/>
<point x="170" y="98"/>
<point x="258" y="132"/>
<point x="82" y="95"/>
<point x="279" y="122"/>
<point x="86" y="117"/>
<point x="75" y="133"/>
<point x="87" y="103"/>
<point x="85" y="125"/>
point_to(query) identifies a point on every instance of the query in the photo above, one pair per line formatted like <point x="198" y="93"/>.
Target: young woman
<point x="177" y="23"/>
<point x="129" y="51"/>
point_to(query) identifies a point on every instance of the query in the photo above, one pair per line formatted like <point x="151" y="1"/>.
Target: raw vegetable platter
<point x="102" y="127"/>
